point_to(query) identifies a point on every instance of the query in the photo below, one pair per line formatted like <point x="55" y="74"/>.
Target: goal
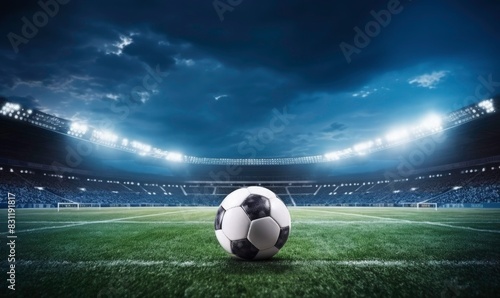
<point x="90" y="205"/>
<point x="67" y="206"/>
<point x="423" y="205"/>
<point x="77" y="205"/>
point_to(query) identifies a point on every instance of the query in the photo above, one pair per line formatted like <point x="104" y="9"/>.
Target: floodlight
<point x="174" y="156"/>
<point x="108" y="136"/>
<point x="141" y="147"/>
<point x="397" y="135"/>
<point x="332" y="156"/>
<point x="78" y="128"/>
<point x="105" y="136"/>
<point x="362" y="147"/>
<point x="487" y="105"/>
<point x="433" y="123"/>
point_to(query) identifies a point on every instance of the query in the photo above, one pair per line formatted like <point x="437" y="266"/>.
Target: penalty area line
<point x="97" y="222"/>
<point x="410" y="221"/>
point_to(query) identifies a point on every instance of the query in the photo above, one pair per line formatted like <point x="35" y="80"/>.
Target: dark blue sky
<point x="201" y="79"/>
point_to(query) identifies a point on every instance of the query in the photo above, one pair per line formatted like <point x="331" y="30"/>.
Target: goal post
<point x="423" y="205"/>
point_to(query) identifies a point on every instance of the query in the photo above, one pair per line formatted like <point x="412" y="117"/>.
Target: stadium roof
<point x="25" y="144"/>
<point x="428" y="127"/>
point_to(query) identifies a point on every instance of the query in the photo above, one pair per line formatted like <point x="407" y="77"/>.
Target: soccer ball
<point x="252" y="223"/>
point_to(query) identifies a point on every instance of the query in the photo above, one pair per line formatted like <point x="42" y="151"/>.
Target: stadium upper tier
<point x="431" y="125"/>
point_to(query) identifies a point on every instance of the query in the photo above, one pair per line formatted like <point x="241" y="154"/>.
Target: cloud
<point x="335" y="126"/>
<point x="339" y="136"/>
<point x="117" y="47"/>
<point x="217" y="97"/>
<point x="429" y="80"/>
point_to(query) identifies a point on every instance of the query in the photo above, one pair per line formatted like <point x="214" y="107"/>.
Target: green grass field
<point x="171" y="252"/>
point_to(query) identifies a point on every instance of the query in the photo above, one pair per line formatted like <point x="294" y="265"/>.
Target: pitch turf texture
<point x="118" y="252"/>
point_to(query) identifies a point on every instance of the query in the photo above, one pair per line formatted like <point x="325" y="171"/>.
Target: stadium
<point x="108" y="188"/>
<point x="56" y="179"/>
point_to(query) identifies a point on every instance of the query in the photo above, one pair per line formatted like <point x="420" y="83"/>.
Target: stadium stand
<point x="35" y="188"/>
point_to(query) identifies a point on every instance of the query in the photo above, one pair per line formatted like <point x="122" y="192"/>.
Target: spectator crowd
<point x="36" y="188"/>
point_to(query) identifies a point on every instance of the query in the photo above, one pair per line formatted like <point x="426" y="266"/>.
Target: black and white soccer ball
<point x="252" y="223"/>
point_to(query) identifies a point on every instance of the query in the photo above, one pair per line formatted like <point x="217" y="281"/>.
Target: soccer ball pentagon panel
<point x="252" y="223"/>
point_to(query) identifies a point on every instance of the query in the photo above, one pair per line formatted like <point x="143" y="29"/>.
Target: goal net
<point x="90" y="205"/>
<point x="77" y="205"/>
<point x="67" y="206"/>
<point x="427" y="206"/>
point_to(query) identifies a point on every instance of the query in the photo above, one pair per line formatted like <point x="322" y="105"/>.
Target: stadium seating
<point x="34" y="188"/>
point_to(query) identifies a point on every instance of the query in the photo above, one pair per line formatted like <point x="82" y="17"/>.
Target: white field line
<point x="299" y="222"/>
<point x="318" y="222"/>
<point x="276" y="262"/>
<point x="472" y="222"/>
<point x="395" y="221"/>
<point x="121" y="221"/>
<point x="409" y="221"/>
<point x="97" y="222"/>
<point x="124" y="221"/>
